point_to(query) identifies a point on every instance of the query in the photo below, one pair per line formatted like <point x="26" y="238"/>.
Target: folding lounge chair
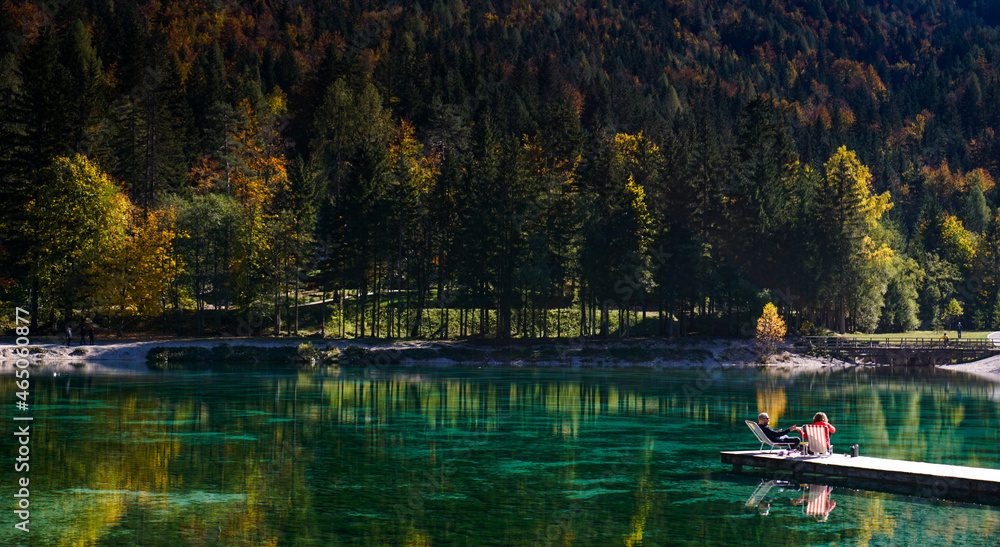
<point x="818" y="441"/>
<point x="759" y="493"/>
<point x="818" y="502"/>
<point x="763" y="438"/>
<point x="763" y="489"/>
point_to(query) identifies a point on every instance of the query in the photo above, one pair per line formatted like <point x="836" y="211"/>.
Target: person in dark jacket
<point x="780" y="435"/>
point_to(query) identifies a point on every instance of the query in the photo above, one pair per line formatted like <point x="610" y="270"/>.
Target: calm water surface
<point x="469" y="456"/>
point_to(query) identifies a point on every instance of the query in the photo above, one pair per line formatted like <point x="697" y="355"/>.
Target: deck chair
<point x="817" y="501"/>
<point x="759" y="493"/>
<point x="763" y="438"/>
<point x="818" y="441"/>
<point x="763" y="489"/>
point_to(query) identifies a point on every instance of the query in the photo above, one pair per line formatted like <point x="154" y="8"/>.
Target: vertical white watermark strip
<point x="22" y="431"/>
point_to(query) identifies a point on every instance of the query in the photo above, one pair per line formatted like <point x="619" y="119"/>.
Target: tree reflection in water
<point x="510" y="456"/>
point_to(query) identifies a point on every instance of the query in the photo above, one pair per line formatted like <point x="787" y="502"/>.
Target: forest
<point x="508" y="168"/>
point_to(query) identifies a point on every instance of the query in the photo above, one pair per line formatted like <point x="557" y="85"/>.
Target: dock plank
<point x="939" y="477"/>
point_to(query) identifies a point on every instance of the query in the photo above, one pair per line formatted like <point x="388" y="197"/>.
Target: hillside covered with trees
<point x="503" y="168"/>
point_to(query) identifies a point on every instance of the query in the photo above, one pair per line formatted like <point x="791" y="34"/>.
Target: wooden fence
<point x="901" y="351"/>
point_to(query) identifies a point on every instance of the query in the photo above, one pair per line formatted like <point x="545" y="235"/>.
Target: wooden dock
<point x="939" y="480"/>
<point x="901" y="351"/>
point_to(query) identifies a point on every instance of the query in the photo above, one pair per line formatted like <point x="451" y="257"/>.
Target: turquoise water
<point x="469" y="456"/>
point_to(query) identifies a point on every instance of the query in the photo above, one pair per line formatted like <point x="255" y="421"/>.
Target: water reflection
<point x="509" y="456"/>
<point x="762" y="496"/>
<point x="815" y="500"/>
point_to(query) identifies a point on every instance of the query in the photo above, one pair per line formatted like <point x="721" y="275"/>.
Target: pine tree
<point x="296" y="206"/>
<point x="847" y="211"/>
<point x="48" y="111"/>
<point x="89" y="86"/>
<point x="15" y="178"/>
<point x="977" y="212"/>
<point x="763" y="193"/>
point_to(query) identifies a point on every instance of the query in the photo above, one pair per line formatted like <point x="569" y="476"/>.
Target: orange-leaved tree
<point x="770" y="331"/>
<point x="259" y="173"/>
<point x="135" y="273"/>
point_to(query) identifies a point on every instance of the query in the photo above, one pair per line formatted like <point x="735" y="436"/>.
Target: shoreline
<point x="988" y="368"/>
<point x="612" y="353"/>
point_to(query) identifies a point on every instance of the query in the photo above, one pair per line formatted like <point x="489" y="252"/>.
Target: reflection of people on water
<point x="757" y="499"/>
<point x="817" y="501"/>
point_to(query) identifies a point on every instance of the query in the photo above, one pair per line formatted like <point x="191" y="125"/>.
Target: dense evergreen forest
<point x="503" y="168"/>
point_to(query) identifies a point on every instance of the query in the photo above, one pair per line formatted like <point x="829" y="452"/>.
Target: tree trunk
<point x="34" y="304"/>
<point x="322" y="314"/>
<point x="363" y="304"/>
<point x="605" y="320"/>
<point x="296" y="302"/>
<point x="559" y="320"/>
<point x="504" y="305"/>
<point x="415" y="329"/>
<point x="277" y="301"/>
<point x="376" y="304"/>
<point x="842" y="316"/>
<point x="288" y="298"/>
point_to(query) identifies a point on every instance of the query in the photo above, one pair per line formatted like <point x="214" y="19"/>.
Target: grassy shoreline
<point x="365" y="352"/>
<point x="648" y="351"/>
<point x="362" y="355"/>
<point x="237" y="354"/>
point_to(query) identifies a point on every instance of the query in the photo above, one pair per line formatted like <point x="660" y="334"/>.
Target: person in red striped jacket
<point x="821" y="420"/>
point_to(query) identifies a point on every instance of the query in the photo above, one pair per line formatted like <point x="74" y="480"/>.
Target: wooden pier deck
<point x="937" y="479"/>
<point x="902" y="351"/>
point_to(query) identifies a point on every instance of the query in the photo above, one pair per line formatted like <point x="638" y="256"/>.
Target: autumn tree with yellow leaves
<point x="135" y="273"/>
<point x="258" y="175"/>
<point x="96" y="250"/>
<point x="853" y="264"/>
<point x="78" y="217"/>
<point x="770" y="331"/>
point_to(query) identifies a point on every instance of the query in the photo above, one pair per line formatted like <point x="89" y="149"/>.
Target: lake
<point x="485" y="456"/>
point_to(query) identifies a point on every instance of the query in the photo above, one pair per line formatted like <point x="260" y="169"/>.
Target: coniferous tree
<point x="976" y="212"/>
<point x="15" y="177"/>
<point x="86" y="78"/>
<point x="763" y="193"/>
<point x="847" y="211"/>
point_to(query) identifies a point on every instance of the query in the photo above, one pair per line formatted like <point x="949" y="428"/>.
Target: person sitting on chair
<point x="779" y="436"/>
<point x="821" y="420"/>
